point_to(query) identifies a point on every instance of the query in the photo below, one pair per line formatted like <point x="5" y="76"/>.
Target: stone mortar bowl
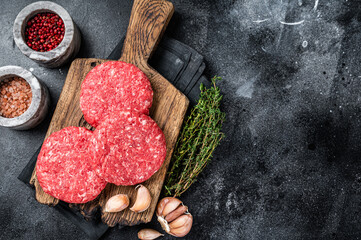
<point x="39" y="103"/>
<point x="58" y="56"/>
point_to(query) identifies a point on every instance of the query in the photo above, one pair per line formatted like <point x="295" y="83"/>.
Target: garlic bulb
<point x="117" y="203"/>
<point x="143" y="199"/>
<point x="174" y="217"/>
<point x="148" y="234"/>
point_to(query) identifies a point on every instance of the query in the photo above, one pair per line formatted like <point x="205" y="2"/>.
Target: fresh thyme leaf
<point x="200" y="136"/>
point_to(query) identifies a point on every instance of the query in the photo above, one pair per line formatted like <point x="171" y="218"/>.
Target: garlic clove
<point x="180" y="221"/>
<point x="117" y="203"/>
<point x="164" y="224"/>
<point x="169" y="207"/>
<point x="161" y="205"/>
<point x="176" y="213"/>
<point x="181" y="226"/>
<point x="148" y="234"/>
<point x="143" y="199"/>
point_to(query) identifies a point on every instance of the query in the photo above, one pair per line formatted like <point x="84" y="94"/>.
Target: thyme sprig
<point x="199" y="138"/>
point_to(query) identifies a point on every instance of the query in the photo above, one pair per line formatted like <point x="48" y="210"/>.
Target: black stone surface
<point x="290" y="166"/>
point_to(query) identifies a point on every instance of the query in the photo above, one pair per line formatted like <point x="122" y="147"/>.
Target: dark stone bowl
<point x="64" y="52"/>
<point x="39" y="103"/>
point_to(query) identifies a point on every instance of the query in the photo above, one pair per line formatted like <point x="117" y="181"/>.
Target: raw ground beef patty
<point x="129" y="148"/>
<point x="114" y="86"/>
<point x="63" y="169"/>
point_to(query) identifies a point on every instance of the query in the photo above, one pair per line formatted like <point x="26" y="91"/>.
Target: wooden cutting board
<point x="148" y="21"/>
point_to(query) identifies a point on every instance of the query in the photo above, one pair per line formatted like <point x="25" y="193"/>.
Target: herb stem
<point x="200" y="136"/>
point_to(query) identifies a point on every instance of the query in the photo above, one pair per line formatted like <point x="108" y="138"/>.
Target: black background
<point x="289" y="167"/>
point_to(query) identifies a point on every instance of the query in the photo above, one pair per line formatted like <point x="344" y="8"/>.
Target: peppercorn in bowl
<point x="45" y="32"/>
<point x="24" y="100"/>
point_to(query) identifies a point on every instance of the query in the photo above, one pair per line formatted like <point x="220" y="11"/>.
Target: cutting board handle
<point x="147" y="23"/>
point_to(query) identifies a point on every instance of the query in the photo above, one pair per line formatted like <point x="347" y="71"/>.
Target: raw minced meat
<point x="129" y="148"/>
<point x="63" y="169"/>
<point x="114" y="86"/>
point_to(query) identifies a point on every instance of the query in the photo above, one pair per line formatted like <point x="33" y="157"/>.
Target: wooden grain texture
<point x="147" y="23"/>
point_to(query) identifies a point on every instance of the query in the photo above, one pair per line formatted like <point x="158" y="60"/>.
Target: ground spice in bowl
<point x="44" y="31"/>
<point x="15" y="97"/>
